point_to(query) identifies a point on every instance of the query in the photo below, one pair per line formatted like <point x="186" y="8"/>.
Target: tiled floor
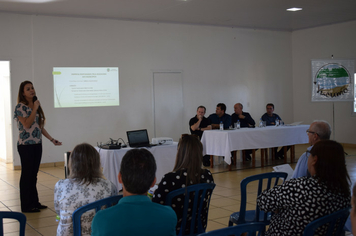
<point x="225" y="199"/>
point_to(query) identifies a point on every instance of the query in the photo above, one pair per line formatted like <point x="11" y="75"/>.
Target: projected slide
<point x="86" y="86"/>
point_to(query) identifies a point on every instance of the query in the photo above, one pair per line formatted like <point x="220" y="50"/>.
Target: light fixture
<point x="295" y="9"/>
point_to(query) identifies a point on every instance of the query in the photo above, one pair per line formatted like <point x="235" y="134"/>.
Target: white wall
<point x="219" y="64"/>
<point x="321" y="43"/>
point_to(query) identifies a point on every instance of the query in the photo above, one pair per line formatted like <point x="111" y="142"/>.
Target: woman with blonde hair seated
<point x="300" y="201"/>
<point x="85" y="184"/>
<point x="187" y="171"/>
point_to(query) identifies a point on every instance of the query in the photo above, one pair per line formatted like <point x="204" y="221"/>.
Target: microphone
<point x="35" y="99"/>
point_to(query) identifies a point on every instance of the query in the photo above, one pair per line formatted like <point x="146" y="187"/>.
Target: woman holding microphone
<point x="30" y="122"/>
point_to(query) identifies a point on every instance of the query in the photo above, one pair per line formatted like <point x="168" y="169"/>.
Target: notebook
<point x="138" y="138"/>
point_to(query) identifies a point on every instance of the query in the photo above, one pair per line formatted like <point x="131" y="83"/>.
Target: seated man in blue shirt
<point x="270" y="119"/>
<point x="318" y="130"/>
<point x="136" y="214"/>
<point x="269" y="116"/>
<point x="220" y="116"/>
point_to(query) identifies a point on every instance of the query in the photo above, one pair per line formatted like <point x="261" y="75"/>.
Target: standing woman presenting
<point x="30" y="122"/>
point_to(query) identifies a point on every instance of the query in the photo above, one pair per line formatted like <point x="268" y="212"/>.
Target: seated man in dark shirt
<point x="197" y="125"/>
<point x="220" y="116"/>
<point x="244" y="117"/>
<point x="270" y="119"/>
<point x="245" y="121"/>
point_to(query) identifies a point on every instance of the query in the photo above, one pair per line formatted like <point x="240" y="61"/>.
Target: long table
<point x="222" y="143"/>
<point x="165" y="156"/>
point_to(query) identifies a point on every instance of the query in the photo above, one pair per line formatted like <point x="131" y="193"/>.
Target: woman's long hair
<point x="189" y="156"/>
<point x="84" y="164"/>
<point x="21" y="98"/>
<point x="330" y="167"/>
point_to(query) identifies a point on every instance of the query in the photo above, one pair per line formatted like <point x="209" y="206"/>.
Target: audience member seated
<point x="299" y="201"/>
<point x="84" y="185"/>
<point x="187" y="171"/>
<point x="318" y="130"/>
<point x="135" y="214"/>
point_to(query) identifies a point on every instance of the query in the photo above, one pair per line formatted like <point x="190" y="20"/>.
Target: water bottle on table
<point x="221" y="125"/>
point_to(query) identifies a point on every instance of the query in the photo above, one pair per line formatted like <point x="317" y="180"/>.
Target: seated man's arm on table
<point x="250" y="121"/>
<point x="209" y="127"/>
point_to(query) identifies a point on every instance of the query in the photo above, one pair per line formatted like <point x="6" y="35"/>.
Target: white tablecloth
<point x="165" y="156"/>
<point x="221" y="143"/>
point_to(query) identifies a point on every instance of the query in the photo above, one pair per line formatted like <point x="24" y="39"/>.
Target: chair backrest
<point x="198" y="194"/>
<point x="13" y="215"/>
<point x="270" y="179"/>
<point x="331" y="224"/>
<point x="237" y="230"/>
<point x="97" y="205"/>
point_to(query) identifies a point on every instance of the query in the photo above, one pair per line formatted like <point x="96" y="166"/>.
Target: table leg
<point x="243" y="156"/>
<point x="285" y="154"/>
<point x="211" y="161"/>
<point x="292" y="154"/>
<point x="262" y="157"/>
<point x="253" y="158"/>
<point x="266" y="155"/>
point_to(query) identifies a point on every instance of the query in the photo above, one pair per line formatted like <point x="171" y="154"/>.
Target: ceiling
<point x="255" y="14"/>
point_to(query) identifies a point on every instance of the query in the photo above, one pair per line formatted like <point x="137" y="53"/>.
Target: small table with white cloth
<point x="165" y="156"/>
<point x="222" y="143"/>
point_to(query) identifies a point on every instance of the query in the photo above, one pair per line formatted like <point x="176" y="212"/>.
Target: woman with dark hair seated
<point x="300" y="201"/>
<point x="187" y="171"/>
<point x="85" y="184"/>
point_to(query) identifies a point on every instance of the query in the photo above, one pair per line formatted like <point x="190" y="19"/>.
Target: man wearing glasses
<point x="318" y="130"/>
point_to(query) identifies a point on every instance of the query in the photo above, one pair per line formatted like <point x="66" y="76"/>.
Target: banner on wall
<point x="332" y="80"/>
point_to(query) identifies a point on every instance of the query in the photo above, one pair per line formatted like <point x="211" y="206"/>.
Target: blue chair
<point x="237" y="230"/>
<point x="97" y="205"/>
<point x="13" y="215"/>
<point x="332" y="224"/>
<point x="197" y="193"/>
<point x="243" y="216"/>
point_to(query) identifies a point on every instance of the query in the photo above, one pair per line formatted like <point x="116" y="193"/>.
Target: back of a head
<point x="84" y="164"/>
<point x="322" y="128"/>
<point x="189" y="156"/>
<point x="330" y="166"/>
<point x="138" y="171"/>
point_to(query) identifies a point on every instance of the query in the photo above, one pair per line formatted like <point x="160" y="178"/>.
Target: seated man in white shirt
<point x="318" y="130"/>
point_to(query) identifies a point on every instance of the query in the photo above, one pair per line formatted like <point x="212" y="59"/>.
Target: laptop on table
<point x="138" y="138"/>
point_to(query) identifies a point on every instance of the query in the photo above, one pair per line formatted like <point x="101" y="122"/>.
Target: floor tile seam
<point x="49" y="174"/>
<point x="10" y="184"/>
<point x="33" y="228"/>
<point x="214" y="220"/>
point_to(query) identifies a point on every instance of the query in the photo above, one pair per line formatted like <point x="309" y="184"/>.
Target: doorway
<point x="5" y="113"/>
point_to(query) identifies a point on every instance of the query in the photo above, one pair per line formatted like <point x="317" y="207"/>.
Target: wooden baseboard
<point x="45" y="165"/>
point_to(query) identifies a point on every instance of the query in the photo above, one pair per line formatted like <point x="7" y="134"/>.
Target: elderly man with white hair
<point x="318" y="130"/>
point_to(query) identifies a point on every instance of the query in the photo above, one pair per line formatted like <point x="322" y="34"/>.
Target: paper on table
<point x="284" y="168"/>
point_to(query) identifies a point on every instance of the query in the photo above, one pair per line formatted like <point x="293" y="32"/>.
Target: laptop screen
<point x="138" y="138"/>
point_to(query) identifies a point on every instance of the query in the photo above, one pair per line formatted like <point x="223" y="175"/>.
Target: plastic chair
<point x="332" y="224"/>
<point x="237" y="230"/>
<point x="13" y="215"/>
<point x="97" y="205"/>
<point x="200" y="192"/>
<point x="244" y="216"/>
